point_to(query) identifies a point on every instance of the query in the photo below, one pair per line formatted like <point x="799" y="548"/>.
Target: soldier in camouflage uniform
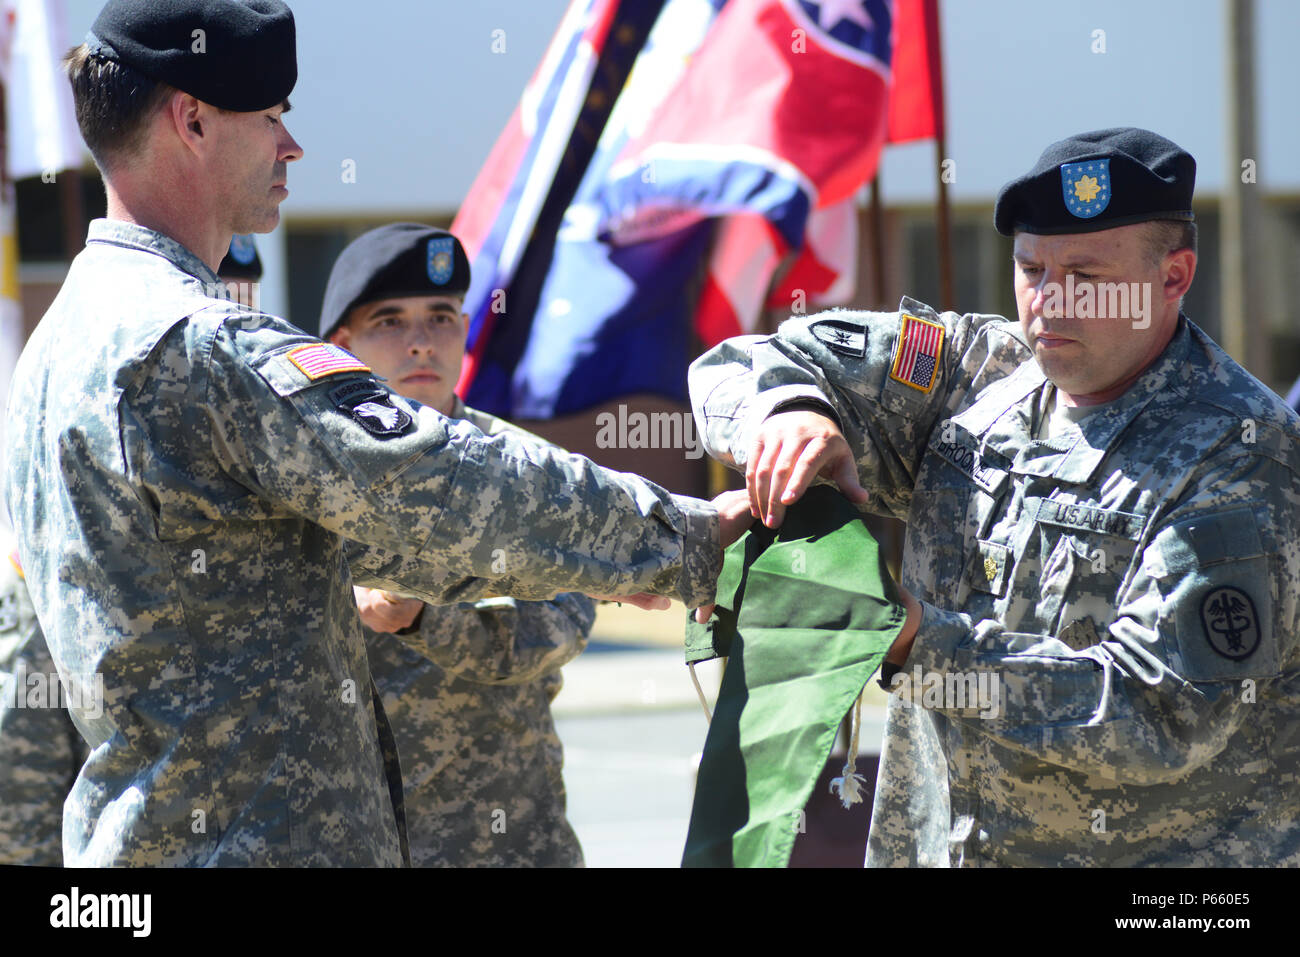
<point x="184" y="471"/>
<point x="468" y="687"/>
<point x="1109" y="531"/>
<point x="41" y="750"/>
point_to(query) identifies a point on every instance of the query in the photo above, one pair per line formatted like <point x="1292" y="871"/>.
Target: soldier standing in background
<point x="468" y="687"/>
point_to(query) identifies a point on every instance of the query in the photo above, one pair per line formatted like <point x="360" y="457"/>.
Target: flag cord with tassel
<point x="849" y="787"/>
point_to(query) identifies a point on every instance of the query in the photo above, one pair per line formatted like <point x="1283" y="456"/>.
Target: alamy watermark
<point x="40" y="690"/>
<point x="951" y="690"/>
<point x="648" y="430"/>
<point x="243" y="292"/>
<point x="127" y="911"/>
<point x="1098" y="300"/>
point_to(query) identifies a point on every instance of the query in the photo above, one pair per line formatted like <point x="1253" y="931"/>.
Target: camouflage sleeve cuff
<point x="932" y="676"/>
<point x="701" y="552"/>
<point x="937" y="637"/>
<point x="766" y="404"/>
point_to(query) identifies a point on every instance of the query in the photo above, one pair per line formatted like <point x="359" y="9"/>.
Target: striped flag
<point x="620" y="224"/>
<point x="916" y="107"/>
<point x="320" y="359"/>
<point x="917" y="358"/>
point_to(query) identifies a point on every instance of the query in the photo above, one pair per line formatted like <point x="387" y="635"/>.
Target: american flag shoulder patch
<point x="319" y="359"/>
<point x="916" y="363"/>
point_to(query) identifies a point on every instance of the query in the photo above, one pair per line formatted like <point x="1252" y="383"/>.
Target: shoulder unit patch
<point x="372" y="407"/>
<point x="849" y="338"/>
<point x="1230" y="622"/>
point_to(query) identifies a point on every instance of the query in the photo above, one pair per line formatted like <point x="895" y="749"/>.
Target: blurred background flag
<point x="42" y="136"/>
<point x="667" y="159"/>
<point x="916" y="106"/>
<point x="824" y="270"/>
<point x="40" y="139"/>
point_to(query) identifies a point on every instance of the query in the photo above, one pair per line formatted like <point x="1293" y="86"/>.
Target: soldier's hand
<point x="791" y="449"/>
<point x="641" y="600"/>
<point x="384" y="611"/>
<point x="734" y="515"/>
<point x="734" y="519"/>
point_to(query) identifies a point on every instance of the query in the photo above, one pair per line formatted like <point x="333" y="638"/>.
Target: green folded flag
<point x="805" y="614"/>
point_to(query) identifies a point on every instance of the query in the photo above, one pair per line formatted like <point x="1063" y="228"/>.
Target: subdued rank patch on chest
<point x="1231" y="623"/>
<point x="846" y="337"/>
<point x="916" y="361"/>
<point x="1079" y="634"/>
<point x="372" y="407"/>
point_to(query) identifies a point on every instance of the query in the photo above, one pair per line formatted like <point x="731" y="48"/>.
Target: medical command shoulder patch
<point x="319" y="359"/>
<point x="1231" y="623"/>
<point x="916" y="361"/>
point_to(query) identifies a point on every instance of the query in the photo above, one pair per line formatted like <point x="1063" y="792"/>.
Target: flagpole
<point x="1245" y="337"/>
<point x="943" y="218"/>
<point x="943" y="223"/>
<point x="877" y="230"/>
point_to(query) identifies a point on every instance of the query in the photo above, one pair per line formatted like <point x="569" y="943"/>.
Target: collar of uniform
<point x="131" y="236"/>
<point x="1075" y="455"/>
<point x="487" y="424"/>
<point x="1001" y="415"/>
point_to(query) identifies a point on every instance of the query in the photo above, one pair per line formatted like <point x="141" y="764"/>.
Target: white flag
<point x="43" y="136"/>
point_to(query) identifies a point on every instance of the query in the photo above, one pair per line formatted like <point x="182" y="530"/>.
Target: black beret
<point x="242" y="261"/>
<point x="400" y="259"/>
<point x="244" y="60"/>
<point x="1099" y="180"/>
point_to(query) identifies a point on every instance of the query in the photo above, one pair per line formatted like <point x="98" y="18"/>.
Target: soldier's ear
<point x="1177" y="271"/>
<point x="185" y="113"/>
<point x="341" y="337"/>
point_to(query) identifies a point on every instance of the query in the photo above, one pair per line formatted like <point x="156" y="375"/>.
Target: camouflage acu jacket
<point x="182" y="475"/>
<point x="469" y="692"/>
<point x="1129" y="591"/>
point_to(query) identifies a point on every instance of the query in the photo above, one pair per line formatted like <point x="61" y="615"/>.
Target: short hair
<point x="1164" y="236"/>
<point x="114" y="104"/>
